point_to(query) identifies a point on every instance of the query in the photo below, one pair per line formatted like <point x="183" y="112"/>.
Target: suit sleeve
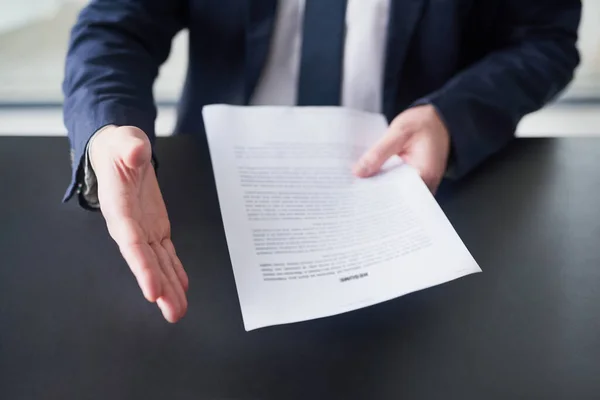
<point x="533" y="59"/>
<point x="115" y="52"/>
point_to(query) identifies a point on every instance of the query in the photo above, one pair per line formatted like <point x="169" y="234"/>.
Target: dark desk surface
<point x="73" y="324"/>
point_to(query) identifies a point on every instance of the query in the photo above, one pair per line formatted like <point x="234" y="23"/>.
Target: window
<point x="587" y="82"/>
<point x="30" y="77"/>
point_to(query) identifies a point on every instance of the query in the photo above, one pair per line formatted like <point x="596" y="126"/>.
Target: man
<point x="453" y="77"/>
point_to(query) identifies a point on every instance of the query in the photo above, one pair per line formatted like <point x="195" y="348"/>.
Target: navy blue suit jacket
<point x="483" y="64"/>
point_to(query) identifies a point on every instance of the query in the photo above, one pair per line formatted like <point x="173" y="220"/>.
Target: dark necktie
<point x="320" y="81"/>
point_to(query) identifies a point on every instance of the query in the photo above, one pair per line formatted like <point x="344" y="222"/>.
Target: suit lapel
<point x="404" y="18"/>
<point x="260" y="21"/>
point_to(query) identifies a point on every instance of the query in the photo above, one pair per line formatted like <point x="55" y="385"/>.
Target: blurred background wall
<point x="587" y="83"/>
<point x="33" y="42"/>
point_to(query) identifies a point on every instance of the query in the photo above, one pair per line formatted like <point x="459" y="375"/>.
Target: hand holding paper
<point x="419" y="136"/>
<point x="307" y="238"/>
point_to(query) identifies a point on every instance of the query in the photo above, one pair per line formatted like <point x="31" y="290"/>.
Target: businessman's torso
<point x="427" y="43"/>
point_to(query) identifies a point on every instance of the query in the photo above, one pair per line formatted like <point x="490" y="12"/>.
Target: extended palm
<point x="135" y="213"/>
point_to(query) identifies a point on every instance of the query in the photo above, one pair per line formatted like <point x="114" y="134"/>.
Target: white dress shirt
<point x="364" y="56"/>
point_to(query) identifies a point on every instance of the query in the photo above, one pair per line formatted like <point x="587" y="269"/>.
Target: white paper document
<point x="307" y="239"/>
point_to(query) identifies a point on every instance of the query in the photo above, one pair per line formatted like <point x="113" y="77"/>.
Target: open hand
<point x="135" y="213"/>
<point x="420" y="138"/>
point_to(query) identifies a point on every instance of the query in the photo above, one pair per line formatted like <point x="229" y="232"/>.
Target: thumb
<point x="389" y="145"/>
<point x="133" y="148"/>
<point x="126" y="145"/>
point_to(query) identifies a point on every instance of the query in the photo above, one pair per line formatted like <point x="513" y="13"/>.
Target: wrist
<point x="90" y="147"/>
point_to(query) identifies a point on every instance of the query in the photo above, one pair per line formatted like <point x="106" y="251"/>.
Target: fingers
<point x="154" y="272"/>
<point x="181" y="274"/>
<point x="156" y="275"/>
<point x="389" y="145"/>
<point x="144" y="265"/>
<point x="174" y="294"/>
<point x="168" y="310"/>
